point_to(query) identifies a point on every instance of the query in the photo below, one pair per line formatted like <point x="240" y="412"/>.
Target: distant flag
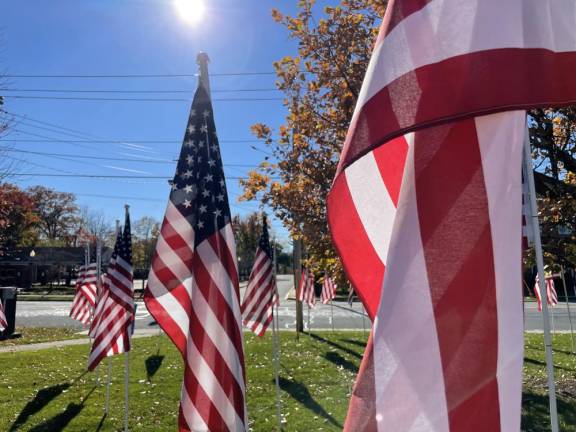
<point x="550" y="292"/>
<point x="193" y="290"/>
<point x="350" y="299"/>
<point x="261" y="293"/>
<point x="113" y="330"/>
<point x="103" y="293"/>
<point x="428" y="191"/>
<point x="306" y="289"/>
<point x="3" y="321"/>
<point x="328" y="289"/>
<point x="85" y="297"/>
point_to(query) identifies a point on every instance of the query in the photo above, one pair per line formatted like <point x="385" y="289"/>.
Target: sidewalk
<point x="139" y="333"/>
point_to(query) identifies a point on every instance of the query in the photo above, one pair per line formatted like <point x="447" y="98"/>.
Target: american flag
<point x="3" y="321"/>
<point x="193" y="290"/>
<point x="261" y="294"/>
<point x="113" y="330"/>
<point x="551" y="294"/>
<point x="306" y="289"/>
<point x="85" y="297"/>
<point x="429" y="137"/>
<point x="328" y="289"/>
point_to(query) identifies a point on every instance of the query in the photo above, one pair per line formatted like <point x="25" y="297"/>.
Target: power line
<point x="247" y="141"/>
<point x="81" y="76"/>
<point x="73" y="156"/>
<point x="138" y="99"/>
<point x="135" y="91"/>
<point x="109" y="176"/>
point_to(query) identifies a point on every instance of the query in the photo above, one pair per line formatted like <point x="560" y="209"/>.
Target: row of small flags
<point x="107" y="305"/>
<point x="307" y="293"/>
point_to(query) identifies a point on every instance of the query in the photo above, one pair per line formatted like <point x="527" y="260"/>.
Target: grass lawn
<point x="31" y="335"/>
<point x="49" y="390"/>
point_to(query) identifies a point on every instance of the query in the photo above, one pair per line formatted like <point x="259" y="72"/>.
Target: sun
<point x="191" y="11"/>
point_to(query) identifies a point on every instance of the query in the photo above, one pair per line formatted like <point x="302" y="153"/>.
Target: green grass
<point x="49" y="390"/>
<point x="31" y="335"/>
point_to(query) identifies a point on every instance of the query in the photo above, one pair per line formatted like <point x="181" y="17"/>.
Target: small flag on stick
<point x="328" y="289"/>
<point x="85" y="297"/>
<point x="261" y="295"/>
<point x="306" y="289"/>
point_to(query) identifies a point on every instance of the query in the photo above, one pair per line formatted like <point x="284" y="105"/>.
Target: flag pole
<point x="98" y="263"/>
<point x="332" y="312"/>
<point x="126" y="359"/>
<point x="541" y="279"/>
<point x="275" y="341"/>
<point x="567" y="307"/>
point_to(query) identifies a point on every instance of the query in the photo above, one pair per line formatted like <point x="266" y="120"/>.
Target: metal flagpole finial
<point x="127" y="208"/>
<point x="202" y="59"/>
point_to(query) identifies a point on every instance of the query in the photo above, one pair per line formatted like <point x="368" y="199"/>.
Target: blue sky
<point x="117" y="37"/>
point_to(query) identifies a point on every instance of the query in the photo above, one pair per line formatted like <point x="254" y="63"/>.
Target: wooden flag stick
<point x="567" y="307"/>
<point x="126" y="384"/>
<point x="529" y="176"/>
<point x="98" y="274"/>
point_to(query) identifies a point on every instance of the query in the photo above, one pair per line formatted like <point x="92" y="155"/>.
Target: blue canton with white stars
<point x="125" y="244"/>
<point x="264" y="242"/>
<point x="199" y="187"/>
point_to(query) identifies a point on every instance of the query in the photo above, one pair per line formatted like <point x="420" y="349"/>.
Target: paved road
<point x="55" y="314"/>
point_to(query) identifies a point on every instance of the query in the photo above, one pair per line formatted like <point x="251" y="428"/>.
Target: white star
<point x="204" y="129"/>
<point x="187" y="174"/>
<point x="191" y="129"/>
<point x="208" y="177"/>
<point x="205" y="193"/>
<point x="189" y="143"/>
<point x="214" y="147"/>
<point x="174" y="187"/>
<point x="217" y="212"/>
<point x="222" y="182"/>
<point x="189" y="159"/>
<point x="211" y="162"/>
<point x="200" y="143"/>
<point x="189" y="189"/>
<point x="200" y="224"/>
<point x="220" y="197"/>
<point x="192" y="112"/>
<point x="206" y="113"/>
<point x="187" y="203"/>
<point x="203" y="208"/>
<point x="199" y="159"/>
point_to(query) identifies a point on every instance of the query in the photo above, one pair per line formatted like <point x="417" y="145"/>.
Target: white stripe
<point x="193" y="418"/>
<point x="211" y="386"/>
<point x="169" y="303"/>
<point x="179" y="223"/>
<point x="407" y="362"/>
<point x="373" y="203"/>
<point x="219" y="275"/>
<point x="228" y="236"/>
<point x="501" y="137"/>
<point x="448" y="28"/>
<point x="171" y="259"/>
<point x="213" y="328"/>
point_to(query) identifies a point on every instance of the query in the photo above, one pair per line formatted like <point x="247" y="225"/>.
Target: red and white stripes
<point x="328" y="289"/>
<point x="306" y="289"/>
<point x="85" y="298"/>
<point x="551" y="294"/>
<point x="3" y="321"/>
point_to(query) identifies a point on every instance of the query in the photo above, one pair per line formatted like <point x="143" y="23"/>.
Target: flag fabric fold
<point x="193" y="290"/>
<point x="114" y="316"/>
<point x="306" y="292"/>
<point x="425" y="210"/>
<point x="551" y="294"/>
<point x="328" y="289"/>
<point x="85" y="297"/>
<point x="261" y="293"/>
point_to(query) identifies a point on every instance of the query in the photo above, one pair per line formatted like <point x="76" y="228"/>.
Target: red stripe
<point x="533" y="77"/>
<point x="222" y="251"/>
<point x="456" y="235"/>
<point x="364" y="270"/>
<point x="396" y="11"/>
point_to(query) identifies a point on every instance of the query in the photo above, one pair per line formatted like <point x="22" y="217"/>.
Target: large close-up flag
<point x="425" y="209"/>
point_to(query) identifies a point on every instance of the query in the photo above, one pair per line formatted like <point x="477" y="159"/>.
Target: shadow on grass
<point x="59" y="422"/>
<point x="153" y="363"/>
<point x="300" y="393"/>
<point x="543" y="364"/>
<point x="42" y="398"/>
<point x="535" y="413"/>
<point x="355" y="342"/>
<point x="338" y="360"/>
<point x="336" y="345"/>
